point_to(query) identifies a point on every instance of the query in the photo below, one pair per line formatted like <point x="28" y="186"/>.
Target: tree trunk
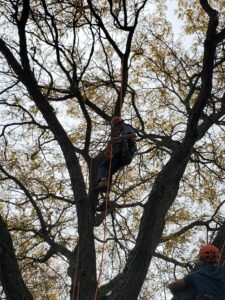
<point x="163" y="193"/>
<point x="10" y="275"/>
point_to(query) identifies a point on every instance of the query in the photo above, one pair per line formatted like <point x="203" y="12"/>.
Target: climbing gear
<point x="116" y="132"/>
<point x="116" y="120"/>
<point x="107" y="151"/>
<point x="210" y="253"/>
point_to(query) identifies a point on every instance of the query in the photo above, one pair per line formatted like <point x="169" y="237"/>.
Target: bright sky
<point x="177" y="24"/>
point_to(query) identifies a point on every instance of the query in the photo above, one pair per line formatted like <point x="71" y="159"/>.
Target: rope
<point x="106" y="201"/>
<point x="106" y="198"/>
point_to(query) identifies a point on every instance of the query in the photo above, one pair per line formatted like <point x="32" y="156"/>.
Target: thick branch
<point x="85" y="216"/>
<point x="163" y="193"/>
<point x="10" y="275"/>
<point x="172" y="260"/>
<point x="185" y="229"/>
<point x="208" y="9"/>
<point x="207" y="74"/>
<point x="102" y="26"/>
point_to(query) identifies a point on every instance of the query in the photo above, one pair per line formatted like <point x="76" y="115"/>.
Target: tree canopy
<point x="69" y="66"/>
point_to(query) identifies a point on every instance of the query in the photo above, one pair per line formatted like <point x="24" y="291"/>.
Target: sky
<point x="177" y="24"/>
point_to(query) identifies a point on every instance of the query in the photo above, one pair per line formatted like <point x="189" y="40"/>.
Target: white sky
<point x="177" y="24"/>
<point x="187" y="40"/>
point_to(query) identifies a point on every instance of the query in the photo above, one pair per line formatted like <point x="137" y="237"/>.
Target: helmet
<point x="116" y="120"/>
<point x="210" y="253"/>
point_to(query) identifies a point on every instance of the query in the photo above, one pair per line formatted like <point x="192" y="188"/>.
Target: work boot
<point x="102" y="207"/>
<point x="102" y="185"/>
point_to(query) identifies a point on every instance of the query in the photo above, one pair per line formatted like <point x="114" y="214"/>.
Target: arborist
<point x="209" y="279"/>
<point x="118" y="153"/>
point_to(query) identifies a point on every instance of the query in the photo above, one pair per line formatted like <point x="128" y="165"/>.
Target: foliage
<point x="66" y="68"/>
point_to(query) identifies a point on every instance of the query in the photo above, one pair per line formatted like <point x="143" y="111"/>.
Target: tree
<point x="67" y="68"/>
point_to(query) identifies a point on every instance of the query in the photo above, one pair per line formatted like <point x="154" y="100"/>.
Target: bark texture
<point x="10" y="275"/>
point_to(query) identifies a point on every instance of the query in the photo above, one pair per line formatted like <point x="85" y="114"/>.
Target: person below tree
<point x="121" y="149"/>
<point x="209" y="279"/>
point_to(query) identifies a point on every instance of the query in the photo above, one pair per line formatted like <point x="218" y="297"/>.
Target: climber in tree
<point x="121" y="149"/>
<point x="209" y="279"/>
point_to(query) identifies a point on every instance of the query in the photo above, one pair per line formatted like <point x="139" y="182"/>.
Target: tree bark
<point x="10" y="275"/>
<point x="85" y="215"/>
<point x="166" y="185"/>
<point x="163" y="193"/>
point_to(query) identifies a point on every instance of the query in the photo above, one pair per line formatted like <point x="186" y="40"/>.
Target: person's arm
<point x="130" y="136"/>
<point x="177" y="285"/>
<point x="128" y="132"/>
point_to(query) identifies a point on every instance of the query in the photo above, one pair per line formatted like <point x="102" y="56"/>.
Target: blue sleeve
<point x="190" y="278"/>
<point x="128" y="129"/>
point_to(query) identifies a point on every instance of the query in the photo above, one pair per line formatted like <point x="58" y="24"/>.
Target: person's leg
<point x="116" y="162"/>
<point x="126" y="158"/>
<point x="103" y="169"/>
<point x="120" y="160"/>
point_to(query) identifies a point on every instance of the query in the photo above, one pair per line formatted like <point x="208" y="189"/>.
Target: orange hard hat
<point x="210" y="253"/>
<point x="116" y="120"/>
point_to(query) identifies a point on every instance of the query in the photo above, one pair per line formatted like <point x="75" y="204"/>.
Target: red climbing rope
<point x="106" y="201"/>
<point x="106" y="197"/>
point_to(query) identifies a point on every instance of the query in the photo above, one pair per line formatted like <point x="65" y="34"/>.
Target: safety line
<point x="106" y="197"/>
<point x="106" y="201"/>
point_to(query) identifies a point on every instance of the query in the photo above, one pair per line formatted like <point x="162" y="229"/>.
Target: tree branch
<point x="10" y="274"/>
